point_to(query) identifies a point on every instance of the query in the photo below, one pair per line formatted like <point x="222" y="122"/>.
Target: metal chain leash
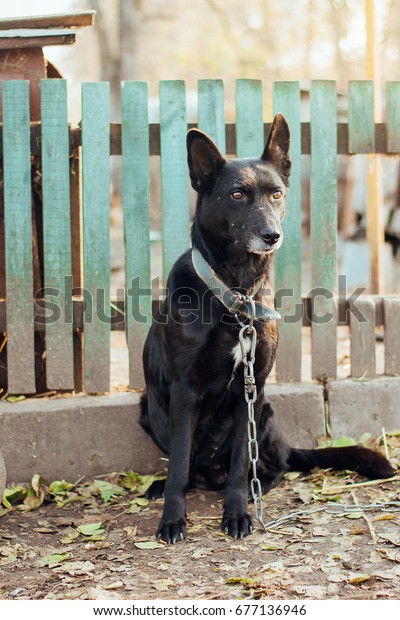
<point x="334" y="508"/>
<point x="248" y="343"/>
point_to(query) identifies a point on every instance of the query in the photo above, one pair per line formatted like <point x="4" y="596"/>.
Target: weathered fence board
<point x="96" y="234"/>
<point x="174" y="176"/>
<point x="323" y="228"/>
<point x="391" y="310"/>
<point x="288" y="259"/>
<point x="77" y="259"/>
<point x="57" y="234"/>
<point x="393" y="116"/>
<point x="230" y="133"/>
<point x="249" y="118"/>
<point x="211" y="116"/>
<point x="18" y="237"/>
<point x="136" y="208"/>
<point x="362" y="338"/>
<point x="362" y="140"/>
<point x="361" y="117"/>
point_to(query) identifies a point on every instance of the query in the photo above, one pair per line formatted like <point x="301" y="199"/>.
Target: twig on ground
<point x="367" y="483"/>
<point x="364" y="516"/>
<point x="385" y="443"/>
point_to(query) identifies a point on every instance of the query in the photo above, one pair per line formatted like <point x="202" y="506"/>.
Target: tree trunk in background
<point x="129" y="16"/>
<point x="117" y="48"/>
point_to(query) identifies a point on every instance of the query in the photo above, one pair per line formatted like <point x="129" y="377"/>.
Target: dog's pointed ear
<point x="278" y="145"/>
<point x="204" y="160"/>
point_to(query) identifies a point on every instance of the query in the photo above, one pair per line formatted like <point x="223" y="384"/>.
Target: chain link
<point x="248" y="350"/>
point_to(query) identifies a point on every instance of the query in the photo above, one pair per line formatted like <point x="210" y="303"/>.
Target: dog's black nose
<point x="270" y="236"/>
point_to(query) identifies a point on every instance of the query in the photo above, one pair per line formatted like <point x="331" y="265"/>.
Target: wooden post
<point x="375" y="215"/>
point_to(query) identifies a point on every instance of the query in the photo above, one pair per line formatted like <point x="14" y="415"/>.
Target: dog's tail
<point x="366" y="462"/>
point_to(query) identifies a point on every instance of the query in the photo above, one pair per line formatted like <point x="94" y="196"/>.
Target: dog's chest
<point x="237" y="351"/>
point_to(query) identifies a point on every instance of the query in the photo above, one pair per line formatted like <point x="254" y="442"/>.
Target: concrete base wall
<point x="73" y="437"/>
<point x="358" y="406"/>
<point x="92" y="435"/>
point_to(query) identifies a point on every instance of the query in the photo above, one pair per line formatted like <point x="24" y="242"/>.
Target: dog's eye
<point x="237" y="195"/>
<point x="277" y="194"/>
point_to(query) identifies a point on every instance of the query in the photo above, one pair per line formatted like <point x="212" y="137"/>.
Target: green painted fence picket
<point x="249" y="118"/>
<point x="393" y="116"/>
<point x="211" y="115"/>
<point x="361" y="117"/>
<point x="174" y="177"/>
<point x="288" y="259"/>
<point x="323" y="228"/>
<point x="18" y="237"/>
<point x="57" y="234"/>
<point x="136" y="209"/>
<point x="96" y="234"/>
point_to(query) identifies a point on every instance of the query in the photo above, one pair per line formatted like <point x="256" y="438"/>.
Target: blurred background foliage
<point x="155" y="40"/>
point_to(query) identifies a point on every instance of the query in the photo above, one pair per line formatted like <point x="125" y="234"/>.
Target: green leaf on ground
<point x="14" y="494"/>
<point x="246" y="581"/>
<point x="35" y="484"/>
<point x="140" y="501"/>
<point x="130" y="480"/>
<point x="108" y="490"/>
<point x="51" y="560"/>
<point x="90" y="529"/>
<point x="68" y="498"/>
<point x="60" y="487"/>
<point x="343" y="442"/>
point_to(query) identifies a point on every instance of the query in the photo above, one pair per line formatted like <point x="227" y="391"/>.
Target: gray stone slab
<point x="73" y="437"/>
<point x="299" y="408"/>
<point x="356" y="407"/>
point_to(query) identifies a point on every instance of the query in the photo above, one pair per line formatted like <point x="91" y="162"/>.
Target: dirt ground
<point x="95" y="540"/>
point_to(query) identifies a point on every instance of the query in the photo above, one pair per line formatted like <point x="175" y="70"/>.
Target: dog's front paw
<point x="237" y="526"/>
<point x="171" y="531"/>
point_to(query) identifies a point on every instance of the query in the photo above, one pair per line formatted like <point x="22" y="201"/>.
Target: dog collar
<point x="233" y="302"/>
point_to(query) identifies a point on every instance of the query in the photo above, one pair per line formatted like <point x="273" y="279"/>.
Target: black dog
<point x="195" y="409"/>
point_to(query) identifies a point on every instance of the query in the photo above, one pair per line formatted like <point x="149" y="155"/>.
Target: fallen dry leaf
<point x="149" y="545"/>
<point x="359" y="578"/>
<point x="163" y="585"/>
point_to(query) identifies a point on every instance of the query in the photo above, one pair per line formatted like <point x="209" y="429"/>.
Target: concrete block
<point x="299" y="409"/>
<point x="356" y="407"/>
<point x="73" y="437"/>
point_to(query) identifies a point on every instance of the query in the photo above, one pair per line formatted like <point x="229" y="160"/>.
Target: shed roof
<point x="42" y="30"/>
<point x="62" y="20"/>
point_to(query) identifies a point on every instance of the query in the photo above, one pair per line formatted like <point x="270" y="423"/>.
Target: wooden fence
<point x="75" y="253"/>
